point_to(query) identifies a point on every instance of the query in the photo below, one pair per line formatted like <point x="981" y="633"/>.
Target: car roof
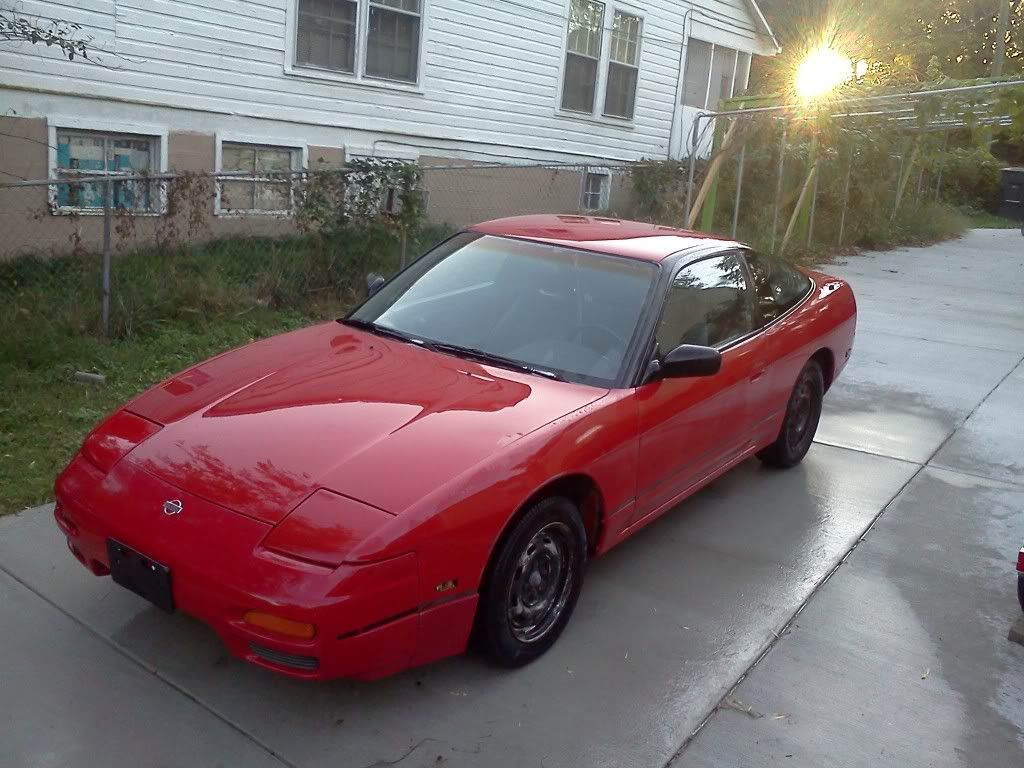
<point x="618" y="237"/>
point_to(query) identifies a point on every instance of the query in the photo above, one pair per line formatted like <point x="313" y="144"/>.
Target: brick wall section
<point x="187" y="151"/>
<point x="463" y="197"/>
<point x="24" y="153"/>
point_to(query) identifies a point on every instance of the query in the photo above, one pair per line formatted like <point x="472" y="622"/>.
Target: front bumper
<point x="368" y="618"/>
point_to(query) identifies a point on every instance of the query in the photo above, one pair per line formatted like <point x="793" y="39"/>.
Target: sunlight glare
<point x="821" y="71"/>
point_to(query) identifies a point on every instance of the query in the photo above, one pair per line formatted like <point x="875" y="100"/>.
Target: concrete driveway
<point x="727" y="634"/>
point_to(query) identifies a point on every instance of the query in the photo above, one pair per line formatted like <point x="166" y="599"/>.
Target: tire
<point x="802" y="415"/>
<point x="533" y="585"/>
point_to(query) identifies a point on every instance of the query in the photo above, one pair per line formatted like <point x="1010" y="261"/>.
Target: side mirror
<point x="374" y="282"/>
<point x="689" y="361"/>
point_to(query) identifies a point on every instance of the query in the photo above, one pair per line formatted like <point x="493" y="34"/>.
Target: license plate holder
<point x="142" y="575"/>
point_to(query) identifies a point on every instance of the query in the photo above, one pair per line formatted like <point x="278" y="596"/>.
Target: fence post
<point x="107" y="221"/>
<point x="778" y="188"/>
<point x="814" y="203"/>
<point x="942" y="164"/>
<point x="846" y="194"/>
<point x="739" y="189"/>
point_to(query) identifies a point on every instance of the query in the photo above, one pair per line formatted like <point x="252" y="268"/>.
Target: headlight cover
<point x="325" y="528"/>
<point x="115" y="437"/>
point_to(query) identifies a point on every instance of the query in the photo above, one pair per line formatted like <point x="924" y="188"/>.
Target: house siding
<point x="489" y="84"/>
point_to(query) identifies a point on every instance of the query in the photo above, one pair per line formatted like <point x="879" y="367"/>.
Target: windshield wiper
<point x="489" y="357"/>
<point x="451" y="349"/>
<point x="383" y="330"/>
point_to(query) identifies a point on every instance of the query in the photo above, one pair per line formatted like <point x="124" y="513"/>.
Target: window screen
<point x="698" y="68"/>
<point x="723" y="65"/>
<point x="742" y="73"/>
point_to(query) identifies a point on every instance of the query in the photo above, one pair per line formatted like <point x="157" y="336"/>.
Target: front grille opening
<point x="290" y="660"/>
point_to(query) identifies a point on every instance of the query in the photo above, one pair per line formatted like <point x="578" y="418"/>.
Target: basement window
<point x="264" y="183"/>
<point x="114" y="155"/>
<point x="596" y="187"/>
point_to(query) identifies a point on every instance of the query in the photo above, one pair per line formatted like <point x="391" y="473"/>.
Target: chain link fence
<point x="120" y="255"/>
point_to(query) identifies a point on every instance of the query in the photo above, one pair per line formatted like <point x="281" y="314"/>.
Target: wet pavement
<point x="897" y="657"/>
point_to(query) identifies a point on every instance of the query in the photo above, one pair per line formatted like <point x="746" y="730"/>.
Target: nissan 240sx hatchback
<point x="362" y="496"/>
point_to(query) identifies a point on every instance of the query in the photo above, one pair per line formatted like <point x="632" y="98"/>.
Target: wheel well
<point x="825" y="359"/>
<point x="581" y="490"/>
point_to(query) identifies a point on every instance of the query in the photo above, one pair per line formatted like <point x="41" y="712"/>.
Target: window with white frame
<point x="713" y="72"/>
<point x="264" y="182"/>
<point x="601" y="60"/>
<point x="596" y="186"/>
<point x="582" y="55"/>
<point x="377" y="39"/>
<point x="113" y="155"/>
<point x="623" y="65"/>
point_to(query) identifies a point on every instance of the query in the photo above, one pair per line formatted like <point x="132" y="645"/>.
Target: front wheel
<point x="534" y="583"/>
<point x="802" y="415"/>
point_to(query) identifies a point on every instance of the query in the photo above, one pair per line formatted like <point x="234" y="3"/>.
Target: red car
<point x="359" y="497"/>
<point x="1020" y="578"/>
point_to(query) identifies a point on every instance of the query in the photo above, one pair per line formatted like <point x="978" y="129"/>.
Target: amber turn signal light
<point x="280" y="626"/>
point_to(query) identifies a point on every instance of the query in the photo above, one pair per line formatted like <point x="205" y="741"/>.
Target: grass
<point x="986" y="220"/>
<point x="45" y="413"/>
<point x="169" y="308"/>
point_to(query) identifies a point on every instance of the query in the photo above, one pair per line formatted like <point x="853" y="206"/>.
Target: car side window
<point x="709" y="304"/>
<point x="778" y="286"/>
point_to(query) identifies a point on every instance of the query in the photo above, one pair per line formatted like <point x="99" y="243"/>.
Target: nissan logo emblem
<point x="172" y="507"/>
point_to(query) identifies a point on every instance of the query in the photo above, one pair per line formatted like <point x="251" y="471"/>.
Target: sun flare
<point x="821" y="71"/>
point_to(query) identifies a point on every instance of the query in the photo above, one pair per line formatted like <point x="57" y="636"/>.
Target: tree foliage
<point x="903" y="41"/>
<point x="53" y="33"/>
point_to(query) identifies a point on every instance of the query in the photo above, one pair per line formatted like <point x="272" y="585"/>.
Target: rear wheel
<point x="534" y="583"/>
<point x="802" y="415"/>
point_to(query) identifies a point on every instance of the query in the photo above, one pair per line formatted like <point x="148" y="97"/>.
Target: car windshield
<point x="554" y="311"/>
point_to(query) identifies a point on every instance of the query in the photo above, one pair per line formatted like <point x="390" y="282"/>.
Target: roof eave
<point x="774" y="48"/>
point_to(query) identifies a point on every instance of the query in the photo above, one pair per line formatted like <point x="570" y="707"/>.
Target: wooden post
<point x="707" y="218"/>
<point x="709" y="176"/>
<point x="804" y="192"/>
<point x="905" y="175"/>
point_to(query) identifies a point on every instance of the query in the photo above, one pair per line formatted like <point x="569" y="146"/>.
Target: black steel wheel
<point x="534" y="582"/>
<point x="801" y="422"/>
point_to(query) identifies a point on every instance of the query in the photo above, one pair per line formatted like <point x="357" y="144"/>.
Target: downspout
<point x="677" y="97"/>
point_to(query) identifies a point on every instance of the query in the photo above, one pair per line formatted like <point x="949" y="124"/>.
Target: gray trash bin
<point x="1011" y="199"/>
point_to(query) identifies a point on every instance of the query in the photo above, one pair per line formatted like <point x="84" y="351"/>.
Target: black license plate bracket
<point x="142" y="575"/>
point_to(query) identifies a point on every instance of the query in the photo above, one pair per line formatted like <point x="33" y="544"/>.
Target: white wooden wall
<point x="489" y="82"/>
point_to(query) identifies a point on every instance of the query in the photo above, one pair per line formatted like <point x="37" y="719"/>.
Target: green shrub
<point x="970" y="177"/>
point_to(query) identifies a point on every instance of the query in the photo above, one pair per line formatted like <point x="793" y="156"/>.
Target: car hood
<point x="260" y="428"/>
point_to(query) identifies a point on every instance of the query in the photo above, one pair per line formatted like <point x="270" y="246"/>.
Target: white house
<point x="245" y="85"/>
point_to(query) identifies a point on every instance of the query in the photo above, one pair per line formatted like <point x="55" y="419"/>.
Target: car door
<point x="778" y="290"/>
<point x="690" y="428"/>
